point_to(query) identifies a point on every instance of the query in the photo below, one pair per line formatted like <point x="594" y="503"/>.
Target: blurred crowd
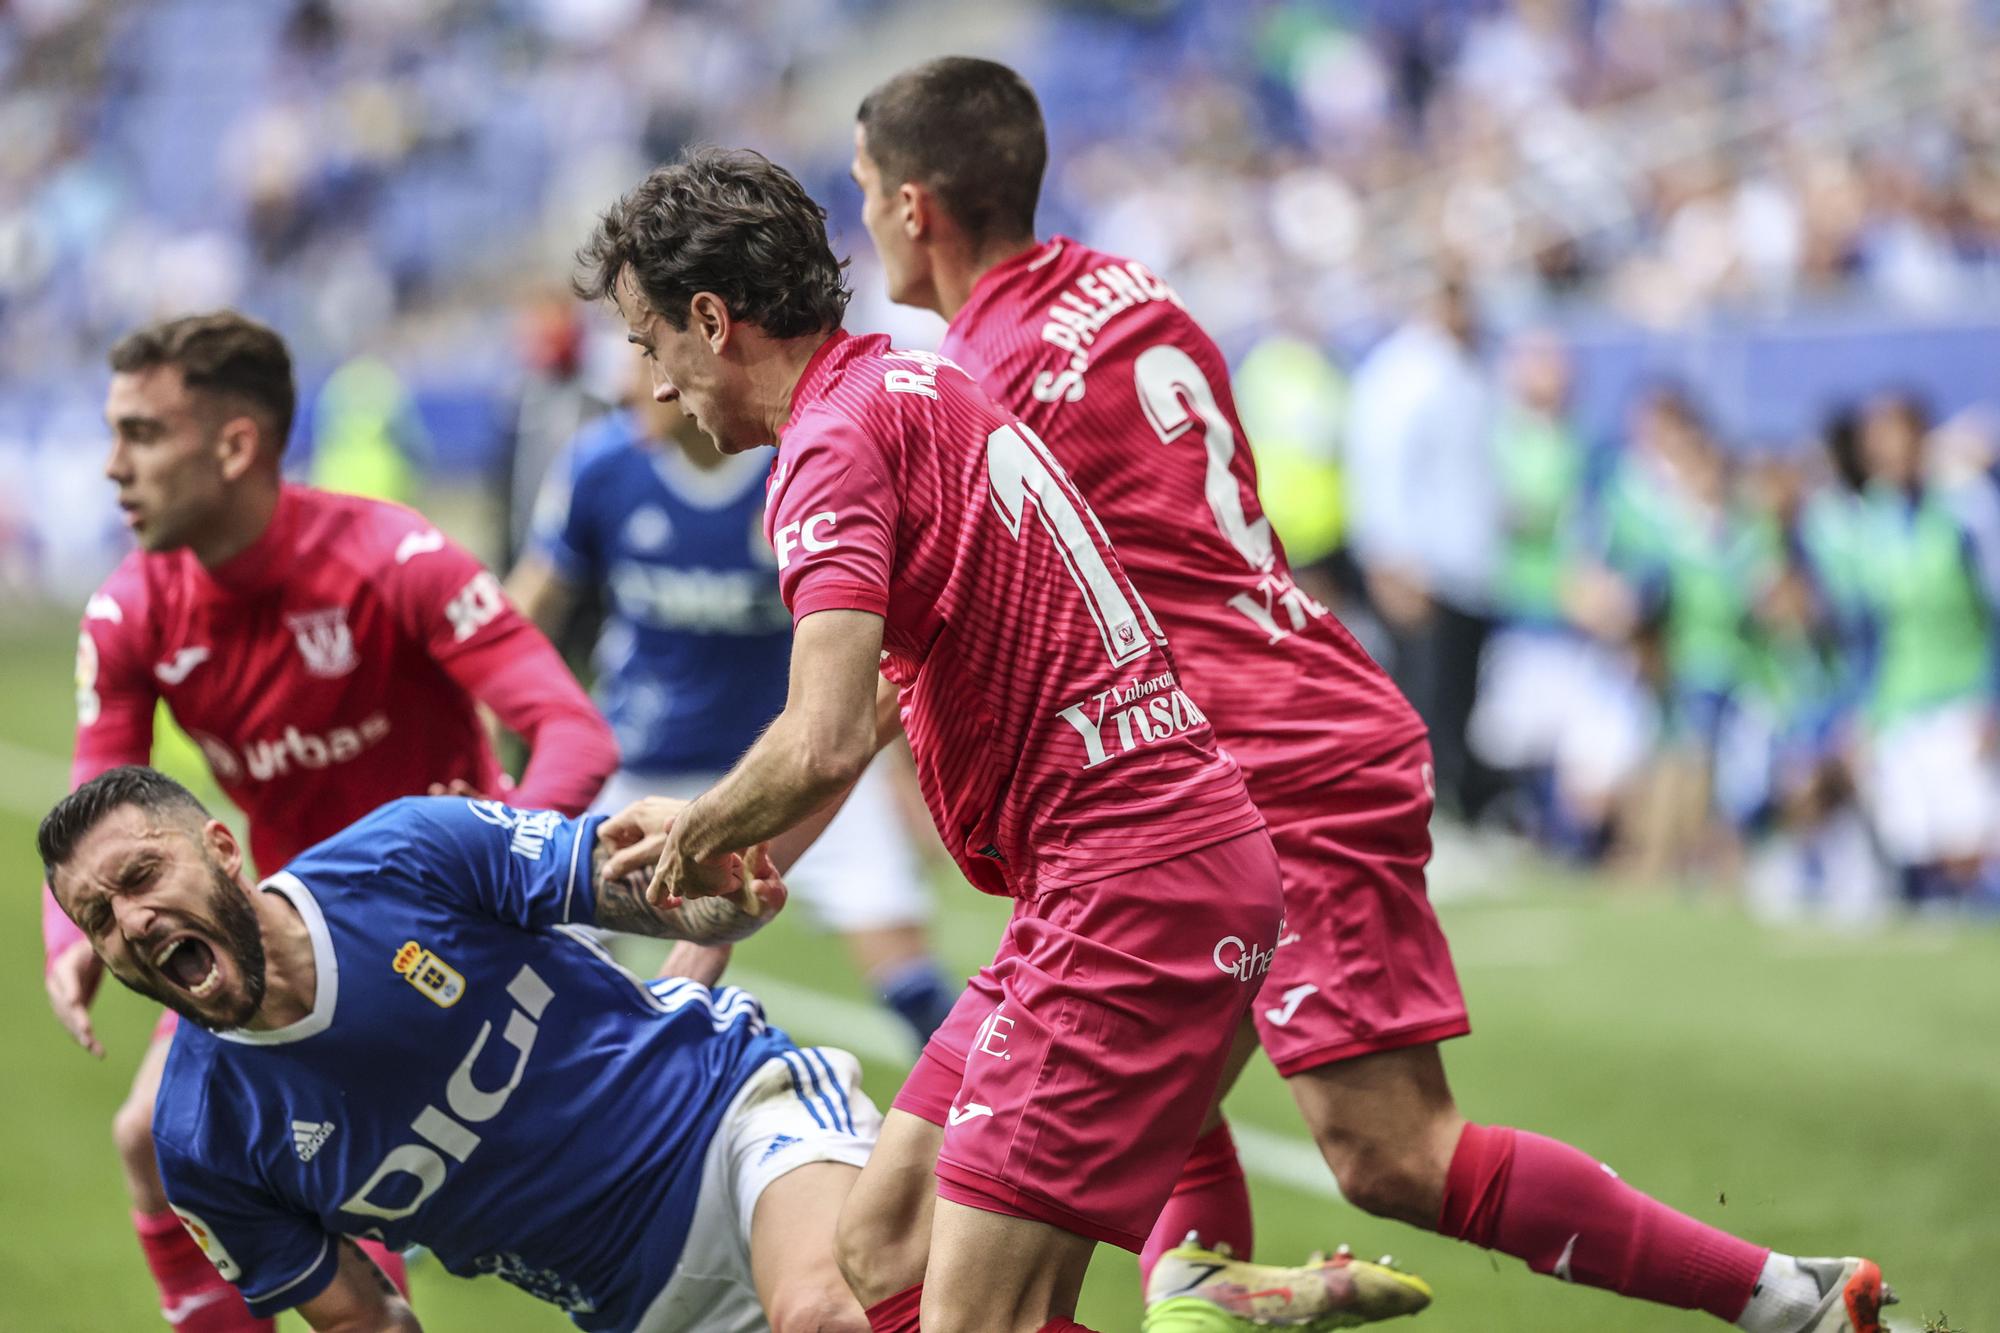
<point x="1660" y="641"/>
<point x="1672" y="652"/>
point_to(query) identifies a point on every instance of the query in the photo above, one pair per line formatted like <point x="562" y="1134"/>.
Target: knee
<point x="1389" y="1177"/>
<point x="818" y="1308"/>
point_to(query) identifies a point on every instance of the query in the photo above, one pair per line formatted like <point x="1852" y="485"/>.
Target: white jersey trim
<point x="326" y="987"/>
<point x="325" y="1243"/>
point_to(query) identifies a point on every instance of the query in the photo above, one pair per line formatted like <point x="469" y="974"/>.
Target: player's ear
<point x="240" y="446"/>
<point x="222" y="845"/>
<point x="708" y="314"/>
<point x="917" y="210"/>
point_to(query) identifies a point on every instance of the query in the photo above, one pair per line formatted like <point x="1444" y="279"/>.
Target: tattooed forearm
<point x="622" y="905"/>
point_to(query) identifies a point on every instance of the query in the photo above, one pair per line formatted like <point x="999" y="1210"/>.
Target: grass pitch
<point x="1820" y="1093"/>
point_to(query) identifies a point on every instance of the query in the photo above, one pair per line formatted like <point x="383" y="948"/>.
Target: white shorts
<point x="1931" y="789"/>
<point x="1552" y="699"/>
<point x="861" y="874"/>
<point x="803" y="1107"/>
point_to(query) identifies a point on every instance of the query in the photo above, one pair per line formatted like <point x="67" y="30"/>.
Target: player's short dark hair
<point x="969" y="131"/>
<point x="727" y="221"/>
<point x="222" y="353"/>
<point x="79" y="812"/>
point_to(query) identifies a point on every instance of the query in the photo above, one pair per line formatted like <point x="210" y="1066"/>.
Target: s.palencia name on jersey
<point x="1123" y="718"/>
<point x="1081" y="312"/>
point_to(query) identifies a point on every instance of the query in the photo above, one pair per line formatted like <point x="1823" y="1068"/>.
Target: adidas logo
<point x="777" y="1145"/>
<point x="308" y="1136"/>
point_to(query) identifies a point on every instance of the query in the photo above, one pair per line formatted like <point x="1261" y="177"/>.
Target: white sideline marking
<point x="1280" y="1159"/>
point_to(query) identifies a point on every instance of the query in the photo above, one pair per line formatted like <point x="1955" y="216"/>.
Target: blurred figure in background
<point x="1780" y="773"/>
<point x="1671" y="530"/>
<point x="1558" y="707"/>
<point x="693" y="661"/>
<point x="1926" y="589"/>
<point x="1426" y="519"/>
<point x="367" y="437"/>
<point x="555" y="403"/>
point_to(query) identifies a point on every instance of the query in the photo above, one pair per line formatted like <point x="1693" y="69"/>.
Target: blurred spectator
<point x="1926" y="589"/>
<point x="1426" y="519"/>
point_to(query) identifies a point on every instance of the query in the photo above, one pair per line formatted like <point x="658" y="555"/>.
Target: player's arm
<point x="359" y="1300"/>
<point x="539" y="589"/>
<point x="457" y="609"/>
<point x="722" y="920"/>
<point x="115" y="701"/>
<point x="802" y="764"/>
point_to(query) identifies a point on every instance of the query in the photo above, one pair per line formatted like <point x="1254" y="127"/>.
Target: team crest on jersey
<point x="211" y="1244"/>
<point x="439" y="981"/>
<point x="325" y="642"/>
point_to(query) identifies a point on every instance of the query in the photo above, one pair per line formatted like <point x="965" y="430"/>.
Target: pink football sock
<point x="193" y="1296"/>
<point x="1210" y="1199"/>
<point x="1565" y="1213"/>
<point x="898" y="1313"/>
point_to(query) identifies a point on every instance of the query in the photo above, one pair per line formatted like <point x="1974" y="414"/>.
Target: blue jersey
<point x="475" y="1076"/>
<point x="695" y="655"/>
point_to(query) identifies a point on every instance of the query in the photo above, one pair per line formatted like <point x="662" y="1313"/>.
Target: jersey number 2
<point x="1175" y="394"/>
<point x="1021" y="471"/>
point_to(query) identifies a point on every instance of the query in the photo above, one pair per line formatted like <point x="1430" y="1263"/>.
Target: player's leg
<point x="1399" y="1148"/>
<point x="193" y="1296"/>
<point x="1114" y="1027"/>
<point x="997" y="1273"/>
<point x="1356" y="1037"/>
<point x="791" y="1252"/>
<point x="1211" y="1200"/>
<point x="862" y="879"/>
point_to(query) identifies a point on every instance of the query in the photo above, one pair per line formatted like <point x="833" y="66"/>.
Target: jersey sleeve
<point x="561" y="530"/>
<point x="115" y="699"/>
<point x="833" y="519"/>
<point x="277" y="1256"/>
<point x="452" y="604"/>
<point x="528" y="868"/>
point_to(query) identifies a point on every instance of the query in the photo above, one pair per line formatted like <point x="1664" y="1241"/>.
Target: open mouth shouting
<point x="190" y="964"/>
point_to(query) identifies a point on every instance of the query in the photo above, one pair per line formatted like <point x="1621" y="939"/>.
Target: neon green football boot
<point x="1194" y="1290"/>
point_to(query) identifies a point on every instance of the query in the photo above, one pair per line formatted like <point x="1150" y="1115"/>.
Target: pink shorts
<point x="1074" y="1073"/>
<point x="1363" y="965"/>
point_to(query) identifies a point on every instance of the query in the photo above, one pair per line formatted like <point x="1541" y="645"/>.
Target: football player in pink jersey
<point x="326" y="652"/>
<point x="925" y="538"/>
<point x="1104" y="362"/>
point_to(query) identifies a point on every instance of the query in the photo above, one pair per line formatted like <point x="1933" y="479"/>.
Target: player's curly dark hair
<point x="968" y="130"/>
<point x="131" y="784"/>
<point x="223" y="353"/>
<point x="731" y="222"/>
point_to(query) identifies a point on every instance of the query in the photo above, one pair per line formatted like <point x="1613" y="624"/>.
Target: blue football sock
<point x="919" y="995"/>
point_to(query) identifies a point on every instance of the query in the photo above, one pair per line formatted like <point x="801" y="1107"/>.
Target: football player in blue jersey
<point x="408" y="1034"/>
<point x="693" y="663"/>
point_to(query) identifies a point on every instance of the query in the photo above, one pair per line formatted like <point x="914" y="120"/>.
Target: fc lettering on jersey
<point x="808" y="534"/>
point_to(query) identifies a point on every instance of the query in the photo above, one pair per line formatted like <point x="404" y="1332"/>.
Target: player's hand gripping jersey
<point x="1099" y="356"/>
<point x="474" y="1075"/>
<point x="328" y="668"/>
<point x="1054" y="742"/>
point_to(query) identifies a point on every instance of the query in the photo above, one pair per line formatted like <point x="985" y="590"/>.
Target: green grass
<point x="1820" y="1093"/>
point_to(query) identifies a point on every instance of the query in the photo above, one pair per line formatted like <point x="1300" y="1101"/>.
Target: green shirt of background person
<point x="1791" y="663"/>
<point x="1674" y="529"/>
<point x="1918" y="575"/>
<point x="1540" y="462"/>
<point x="367" y="439"/>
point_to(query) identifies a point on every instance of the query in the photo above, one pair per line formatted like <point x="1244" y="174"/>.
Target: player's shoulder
<point x="373" y="540"/>
<point x="604" y="450"/>
<point x="124" y="602"/>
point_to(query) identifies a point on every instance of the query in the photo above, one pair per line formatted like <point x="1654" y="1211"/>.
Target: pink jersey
<point x="1101" y="358"/>
<point x="330" y="667"/>
<point x="1053" y="742"/>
